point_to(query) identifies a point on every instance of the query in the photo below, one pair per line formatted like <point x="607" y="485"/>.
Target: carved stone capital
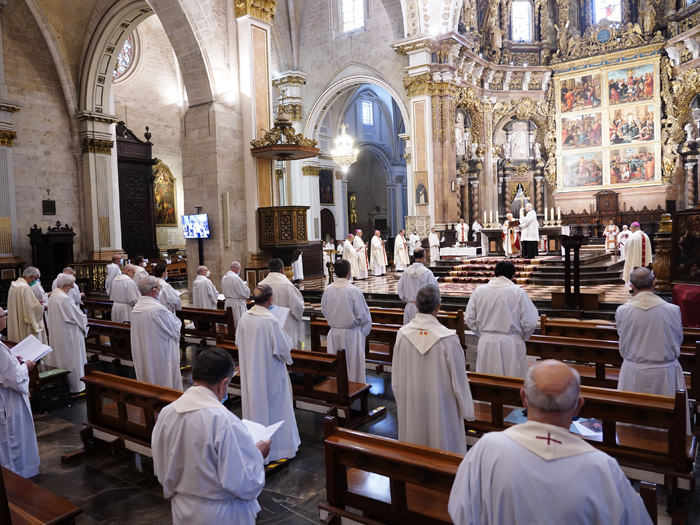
<point x="103" y="147"/>
<point x="311" y="171"/>
<point x="261" y="9"/>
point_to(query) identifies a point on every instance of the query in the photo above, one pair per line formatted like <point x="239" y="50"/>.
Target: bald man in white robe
<point x="204" y="294"/>
<point x="113" y="269"/>
<point x="289" y="296"/>
<point x="236" y="291"/>
<point x="344" y="307"/>
<point x="25" y="314"/>
<point x="401" y="260"/>
<point x="429" y="380"/>
<point x="124" y="295"/>
<point x="350" y="254"/>
<point x="361" y="250"/>
<point x="264" y="351"/>
<point x="502" y="315"/>
<point x="538" y="472"/>
<point x="155" y="338"/>
<point x="413" y="278"/>
<point x="139" y="269"/>
<point x="378" y="253"/>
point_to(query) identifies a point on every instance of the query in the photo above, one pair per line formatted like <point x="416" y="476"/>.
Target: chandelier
<point x="344" y="153"/>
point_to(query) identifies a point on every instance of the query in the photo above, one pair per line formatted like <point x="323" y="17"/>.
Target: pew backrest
<point x="205" y="323"/>
<point x="109" y="339"/>
<point x="98" y="308"/>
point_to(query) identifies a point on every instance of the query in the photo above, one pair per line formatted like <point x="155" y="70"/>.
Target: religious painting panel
<point x="581" y="131"/>
<point x="164" y="195"/>
<point x="631" y="124"/>
<point x="632" y="164"/>
<point x="325" y="187"/>
<point x="582" y="169"/>
<point x="685" y="249"/>
<point x="421" y="179"/>
<point x="580" y="93"/>
<point x="631" y="84"/>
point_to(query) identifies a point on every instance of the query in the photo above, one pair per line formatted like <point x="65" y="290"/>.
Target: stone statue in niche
<point x="538" y="152"/>
<point x="459" y="135"/>
<point x="519" y="201"/>
<point x="472" y="150"/>
<point x="506" y="149"/>
<point x="648" y="18"/>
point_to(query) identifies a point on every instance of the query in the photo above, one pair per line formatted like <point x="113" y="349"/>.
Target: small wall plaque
<point x="48" y="207"/>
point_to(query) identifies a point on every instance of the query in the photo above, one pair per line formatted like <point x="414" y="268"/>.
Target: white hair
<point x="235" y="265"/>
<point x="31" y="271"/>
<point x="147" y="284"/>
<point x="65" y="279"/>
<point x="562" y="402"/>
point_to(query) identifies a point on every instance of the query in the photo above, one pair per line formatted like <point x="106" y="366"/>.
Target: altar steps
<point x="481" y="270"/>
<point x="596" y="268"/>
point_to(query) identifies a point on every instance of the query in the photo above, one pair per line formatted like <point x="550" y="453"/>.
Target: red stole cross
<point x="549" y="438"/>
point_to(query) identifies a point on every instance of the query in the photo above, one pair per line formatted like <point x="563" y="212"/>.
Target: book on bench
<point x="261" y="432"/>
<point x="30" y="349"/>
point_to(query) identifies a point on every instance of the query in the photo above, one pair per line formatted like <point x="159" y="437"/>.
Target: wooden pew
<point x="206" y="324"/>
<point x="110" y="340"/>
<point x="646" y="433"/>
<point x="394" y="316"/>
<point x="335" y="392"/>
<point x="388" y="481"/>
<point x="25" y="503"/>
<point x="98" y="308"/>
<point x="121" y="408"/>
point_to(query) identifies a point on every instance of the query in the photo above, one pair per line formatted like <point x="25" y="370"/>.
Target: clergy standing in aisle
<point x="637" y="251"/>
<point x="344" y="307"/>
<point x="67" y="326"/>
<point x="204" y="294"/>
<point x="361" y="249"/>
<point x="415" y="277"/>
<point x="462" y="232"/>
<point x="429" y="380"/>
<point x="25" y="314"/>
<point x="264" y="351"/>
<point x="350" y="255"/>
<point x="502" y="315"/>
<point x="139" y="269"/>
<point x="434" y="243"/>
<point x="203" y="455"/>
<point x="18" y="448"/>
<point x="289" y="296"/>
<point x="155" y="338"/>
<point x="610" y="234"/>
<point x="236" y="291"/>
<point x="113" y="269"/>
<point x="529" y="232"/>
<point x="168" y="296"/>
<point x="538" y="472"/>
<point x="476" y="229"/>
<point x="622" y="238"/>
<point x="74" y="292"/>
<point x="413" y="243"/>
<point x="124" y="295"/>
<point x="401" y="260"/>
<point x="379" y="261"/>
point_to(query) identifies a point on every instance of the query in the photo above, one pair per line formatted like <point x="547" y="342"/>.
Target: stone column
<point x="506" y="194"/>
<point x="391" y="207"/>
<point x="538" y="195"/>
<point x="310" y="174"/>
<point x="475" y="210"/>
<point x="690" y="183"/>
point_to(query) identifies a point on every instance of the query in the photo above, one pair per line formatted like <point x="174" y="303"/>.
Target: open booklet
<point x="281" y="313"/>
<point x="261" y="432"/>
<point x="30" y="349"/>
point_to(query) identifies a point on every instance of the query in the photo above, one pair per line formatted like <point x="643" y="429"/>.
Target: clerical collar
<point x="500" y="281"/>
<point x="645" y="300"/>
<point x="549" y="442"/>
<point x="424" y="331"/>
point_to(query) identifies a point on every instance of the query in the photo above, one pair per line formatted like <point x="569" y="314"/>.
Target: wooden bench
<point x="646" y="433"/>
<point x="98" y="308"/>
<point x="109" y="341"/>
<point x="336" y="393"/>
<point x="121" y="408"/>
<point x="25" y="503"/>
<point x="206" y="324"/>
<point x="394" y="316"/>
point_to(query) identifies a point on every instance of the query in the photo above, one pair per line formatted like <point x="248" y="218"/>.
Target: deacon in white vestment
<point x="40" y="293"/>
<point x="379" y="261"/>
<point x="434" y="243"/>
<point x="413" y="279"/>
<point x="67" y="326"/>
<point x="18" y="448"/>
<point x="155" y="338"/>
<point x="462" y="232"/>
<point x="610" y="234"/>
<point x="74" y="292"/>
<point x="124" y="295"/>
<point x="168" y="297"/>
<point x="25" y="314"/>
<point x="538" y="472"/>
<point x="401" y="260"/>
<point x="350" y="254"/>
<point x="113" y="269"/>
<point x="429" y="380"/>
<point x="344" y="307"/>
<point x="264" y="351"/>
<point x="529" y="232"/>
<point x="413" y="242"/>
<point x="361" y="250"/>
<point x="236" y="291"/>
<point x="622" y="238"/>
<point x="476" y="229"/>
<point x="298" y="269"/>
<point x="204" y="294"/>
<point x="203" y="455"/>
<point x="139" y="269"/>
<point x="502" y="315"/>
<point x="289" y="296"/>
<point x="637" y="251"/>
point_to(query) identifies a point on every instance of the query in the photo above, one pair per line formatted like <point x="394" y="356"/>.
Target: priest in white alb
<point x="203" y="455"/>
<point x="429" y="380"/>
<point x="350" y="255"/>
<point x="18" y="448"/>
<point x="529" y="232"/>
<point x="476" y="229"/>
<point x="413" y="243"/>
<point x="502" y="315"/>
<point x="414" y="278"/>
<point x="434" y="243"/>
<point x="236" y="291"/>
<point x="289" y="296"/>
<point x="204" y="294"/>
<point x="401" y="260"/>
<point x="379" y="261"/>
<point x="124" y="295"/>
<point x="264" y="351"/>
<point x="67" y="326"/>
<point x="361" y="250"/>
<point x="139" y="269"/>
<point x="462" y="232"/>
<point x="539" y="472"/>
<point x="637" y="251"/>
<point x="344" y="307"/>
<point x="168" y="297"/>
<point x="622" y="238"/>
<point x="74" y="292"/>
<point x="113" y="269"/>
<point x="610" y="234"/>
<point x="39" y="292"/>
<point x="155" y="338"/>
<point x="25" y="314"/>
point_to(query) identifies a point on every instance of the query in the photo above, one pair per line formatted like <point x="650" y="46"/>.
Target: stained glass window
<point x="609" y="9"/>
<point x="125" y="58"/>
<point x="367" y="114"/>
<point x="521" y="21"/>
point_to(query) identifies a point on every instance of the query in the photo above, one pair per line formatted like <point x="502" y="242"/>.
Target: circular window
<point x="126" y="59"/>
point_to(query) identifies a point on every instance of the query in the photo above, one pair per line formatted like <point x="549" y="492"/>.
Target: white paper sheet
<point x="30" y="349"/>
<point x="261" y="432"/>
<point x="281" y="313"/>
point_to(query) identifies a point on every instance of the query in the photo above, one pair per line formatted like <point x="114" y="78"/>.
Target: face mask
<point x="157" y="295"/>
<point x="143" y="264"/>
<point x="32" y="283"/>
<point x="165" y="277"/>
<point x="225" y="398"/>
<point x="208" y="273"/>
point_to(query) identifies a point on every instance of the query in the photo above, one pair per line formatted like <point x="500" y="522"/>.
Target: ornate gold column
<point x="662" y="257"/>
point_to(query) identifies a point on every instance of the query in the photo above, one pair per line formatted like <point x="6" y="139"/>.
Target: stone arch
<point x="436" y="17"/>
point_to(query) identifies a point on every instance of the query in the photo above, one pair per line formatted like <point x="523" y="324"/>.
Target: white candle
<point x="559" y="213"/>
<point x="551" y="213"/>
<point x="484" y="217"/>
<point x="545" y="214"/>
<point x="490" y="216"/>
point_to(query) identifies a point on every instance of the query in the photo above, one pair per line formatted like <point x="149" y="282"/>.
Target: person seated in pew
<point x="140" y="272"/>
<point x="67" y="326"/>
<point x="168" y="296"/>
<point x="113" y="269"/>
<point x="155" y="338"/>
<point x="236" y="291"/>
<point x="429" y="379"/>
<point x="413" y="278"/>
<point x="203" y="455"/>
<point x="289" y="296"/>
<point x="124" y="295"/>
<point x="502" y="315"/>
<point x="264" y="351"/>
<point x="651" y="334"/>
<point x="74" y="292"/>
<point x="344" y="307"/>
<point x="204" y="294"/>
<point x="538" y="472"/>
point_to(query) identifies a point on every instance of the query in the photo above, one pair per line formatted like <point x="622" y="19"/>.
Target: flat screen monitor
<point x="196" y="226"/>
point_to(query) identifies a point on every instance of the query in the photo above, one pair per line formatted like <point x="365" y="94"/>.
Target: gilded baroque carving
<point x="7" y="137"/>
<point x="261" y="9"/>
<point x="311" y="171"/>
<point x="468" y="101"/>
<point x="293" y="111"/>
<point x="100" y="146"/>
